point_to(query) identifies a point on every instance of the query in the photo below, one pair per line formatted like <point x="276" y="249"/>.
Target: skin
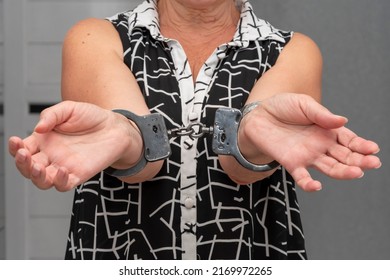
<point x="303" y="133"/>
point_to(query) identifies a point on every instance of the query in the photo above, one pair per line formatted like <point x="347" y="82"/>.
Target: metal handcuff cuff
<point x="156" y="138"/>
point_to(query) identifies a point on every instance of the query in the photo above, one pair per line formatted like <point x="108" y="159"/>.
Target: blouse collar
<point x="249" y="28"/>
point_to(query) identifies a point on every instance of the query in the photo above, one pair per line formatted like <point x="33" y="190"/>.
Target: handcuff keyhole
<point x="223" y="139"/>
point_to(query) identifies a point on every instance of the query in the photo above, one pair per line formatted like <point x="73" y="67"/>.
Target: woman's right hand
<point x="72" y="142"/>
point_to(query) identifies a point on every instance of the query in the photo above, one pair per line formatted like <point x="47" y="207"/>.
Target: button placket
<point x="192" y="105"/>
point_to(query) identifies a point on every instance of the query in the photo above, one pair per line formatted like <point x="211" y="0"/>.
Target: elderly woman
<point x="191" y="199"/>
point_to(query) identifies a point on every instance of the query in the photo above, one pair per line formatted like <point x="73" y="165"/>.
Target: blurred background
<point x="346" y="220"/>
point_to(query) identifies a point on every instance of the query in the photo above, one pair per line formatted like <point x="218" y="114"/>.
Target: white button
<point x="189" y="203"/>
<point x="209" y="72"/>
<point x="221" y="55"/>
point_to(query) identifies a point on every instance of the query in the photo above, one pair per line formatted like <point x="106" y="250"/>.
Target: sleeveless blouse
<point x="191" y="209"/>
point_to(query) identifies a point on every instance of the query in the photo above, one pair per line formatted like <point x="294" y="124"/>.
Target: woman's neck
<point x="197" y="18"/>
<point x="200" y="26"/>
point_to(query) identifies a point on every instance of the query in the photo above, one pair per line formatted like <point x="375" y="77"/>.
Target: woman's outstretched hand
<point x="300" y="133"/>
<point x="72" y="142"/>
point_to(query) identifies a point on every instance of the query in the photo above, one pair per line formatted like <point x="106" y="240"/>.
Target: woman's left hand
<point x="300" y="133"/>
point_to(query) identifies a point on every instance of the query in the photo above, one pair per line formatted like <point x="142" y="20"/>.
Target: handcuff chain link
<point x="193" y="130"/>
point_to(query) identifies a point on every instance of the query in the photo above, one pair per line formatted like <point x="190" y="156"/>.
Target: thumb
<point x="321" y="116"/>
<point x="54" y="116"/>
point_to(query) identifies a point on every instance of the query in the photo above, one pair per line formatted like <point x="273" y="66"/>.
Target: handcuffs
<point x="156" y="138"/>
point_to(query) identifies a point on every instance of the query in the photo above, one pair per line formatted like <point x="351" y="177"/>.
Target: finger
<point x="337" y="170"/>
<point x="346" y="156"/>
<point x="358" y="144"/>
<point x="304" y="180"/>
<point x="23" y="162"/>
<point x="14" y="144"/>
<point x="61" y="180"/>
<point x="51" y="176"/>
<point x="40" y="176"/>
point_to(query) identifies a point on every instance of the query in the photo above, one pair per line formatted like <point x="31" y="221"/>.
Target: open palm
<point x="300" y="133"/>
<point x="72" y="142"/>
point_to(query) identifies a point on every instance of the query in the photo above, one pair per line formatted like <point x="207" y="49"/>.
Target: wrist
<point x="249" y="131"/>
<point x="151" y="143"/>
<point x="129" y="141"/>
<point x="250" y="151"/>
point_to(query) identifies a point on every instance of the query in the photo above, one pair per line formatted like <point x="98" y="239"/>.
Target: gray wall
<point x="2" y="226"/>
<point x="347" y="220"/>
<point x="34" y="223"/>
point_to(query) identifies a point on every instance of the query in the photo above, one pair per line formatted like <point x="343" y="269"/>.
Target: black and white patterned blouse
<point x="191" y="209"/>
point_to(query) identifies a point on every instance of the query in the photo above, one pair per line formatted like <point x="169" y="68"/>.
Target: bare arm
<point x="298" y="69"/>
<point x="290" y="125"/>
<point x="81" y="136"/>
<point x="93" y="71"/>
